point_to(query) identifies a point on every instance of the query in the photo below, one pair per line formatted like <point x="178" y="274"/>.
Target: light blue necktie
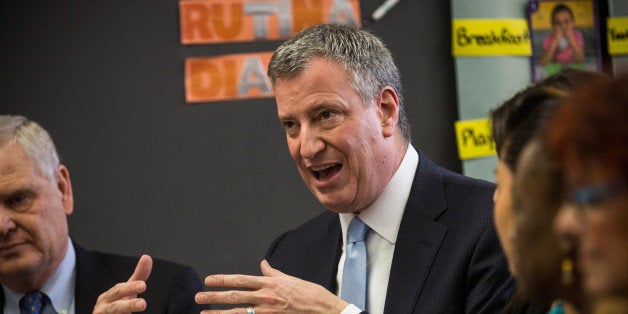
<point x="32" y="303"/>
<point x="355" y="272"/>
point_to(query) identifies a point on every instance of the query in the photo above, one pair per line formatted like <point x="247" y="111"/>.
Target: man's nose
<point x="311" y="143"/>
<point x="6" y="223"/>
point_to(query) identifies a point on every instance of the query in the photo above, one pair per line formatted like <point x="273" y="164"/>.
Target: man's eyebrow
<point x="28" y="190"/>
<point x="326" y="106"/>
<point x="286" y="117"/>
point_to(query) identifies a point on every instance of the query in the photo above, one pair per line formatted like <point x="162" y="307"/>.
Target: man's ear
<point x="388" y="107"/>
<point x="65" y="188"/>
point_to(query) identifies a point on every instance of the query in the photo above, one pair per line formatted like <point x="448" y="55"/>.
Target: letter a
<point x="252" y="75"/>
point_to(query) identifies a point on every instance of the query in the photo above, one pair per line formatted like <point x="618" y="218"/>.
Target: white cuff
<point x="351" y="309"/>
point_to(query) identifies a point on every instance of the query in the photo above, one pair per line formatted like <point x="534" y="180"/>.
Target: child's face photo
<point x="565" y="34"/>
<point x="563" y="20"/>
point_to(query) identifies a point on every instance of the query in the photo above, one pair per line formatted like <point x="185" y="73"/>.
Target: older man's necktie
<point x="355" y="272"/>
<point x="32" y="303"/>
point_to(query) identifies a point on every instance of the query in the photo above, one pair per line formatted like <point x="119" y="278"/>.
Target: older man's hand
<point x="122" y="298"/>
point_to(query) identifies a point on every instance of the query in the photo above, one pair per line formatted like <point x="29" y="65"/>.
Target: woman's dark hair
<point x="517" y="121"/>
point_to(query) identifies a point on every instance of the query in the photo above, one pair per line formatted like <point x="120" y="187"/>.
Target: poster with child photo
<point x="564" y="34"/>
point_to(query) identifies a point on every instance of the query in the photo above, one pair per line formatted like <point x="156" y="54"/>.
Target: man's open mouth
<point x="323" y="173"/>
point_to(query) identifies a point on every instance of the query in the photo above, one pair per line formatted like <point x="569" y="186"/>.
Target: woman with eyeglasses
<point x="532" y="250"/>
<point x="588" y="138"/>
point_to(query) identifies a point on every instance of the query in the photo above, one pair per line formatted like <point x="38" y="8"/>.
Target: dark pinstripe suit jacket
<point x="447" y="257"/>
<point x="170" y="288"/>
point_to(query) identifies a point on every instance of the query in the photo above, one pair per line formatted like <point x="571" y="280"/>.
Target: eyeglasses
<point x="593" y="194"/>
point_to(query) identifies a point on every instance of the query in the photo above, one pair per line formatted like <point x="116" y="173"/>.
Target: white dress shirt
<point x="384" y="218"/>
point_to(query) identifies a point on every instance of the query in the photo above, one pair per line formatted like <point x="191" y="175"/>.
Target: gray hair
<point x="34" y="142"/>
<point x="363" y="55"/>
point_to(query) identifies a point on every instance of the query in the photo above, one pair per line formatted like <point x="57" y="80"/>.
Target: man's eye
<point x="288" y="125"/>
<point x="327" y="115"/>
<point x="17" y="200"/>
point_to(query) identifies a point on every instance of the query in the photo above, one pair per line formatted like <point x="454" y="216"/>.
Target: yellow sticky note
<point x="491" y="37"/>
<point x="474" y="138"/>
<point x="617" y="34"/>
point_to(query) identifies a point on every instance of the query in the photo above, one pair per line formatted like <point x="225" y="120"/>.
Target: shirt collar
<point x="59" y="288"/>
<point x="384" y="215"/>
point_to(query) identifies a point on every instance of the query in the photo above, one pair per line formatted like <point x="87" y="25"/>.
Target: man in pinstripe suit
<point x="432" y="247"/>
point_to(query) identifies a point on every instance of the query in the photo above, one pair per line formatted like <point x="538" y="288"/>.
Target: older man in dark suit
<point x="402" y="235"/>
<point x="41" y="269"/>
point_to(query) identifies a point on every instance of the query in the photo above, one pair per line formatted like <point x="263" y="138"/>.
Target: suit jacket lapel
<point x="324" y="255"/>
<point x="419" y="239"/>
<point x="92" y="279"/>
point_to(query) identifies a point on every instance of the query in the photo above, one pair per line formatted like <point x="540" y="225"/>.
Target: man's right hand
<point x="122" y="298"/>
